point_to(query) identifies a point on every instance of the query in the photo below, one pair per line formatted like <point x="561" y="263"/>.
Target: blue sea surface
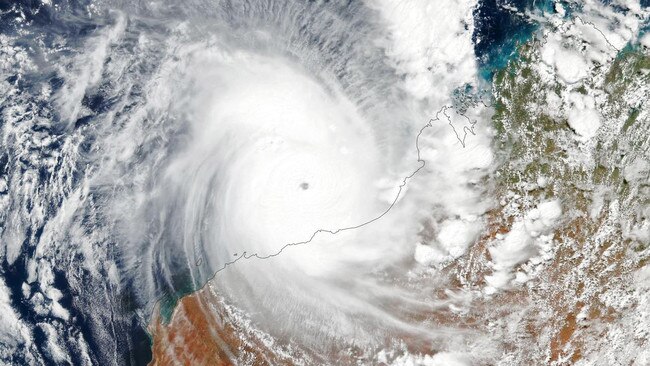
<point x="87" y="317"/>
<point x="498" y="30"/>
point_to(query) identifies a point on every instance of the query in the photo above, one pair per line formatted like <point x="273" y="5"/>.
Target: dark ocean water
<point x="132" y="344"/>
<point x="498" y="30"/>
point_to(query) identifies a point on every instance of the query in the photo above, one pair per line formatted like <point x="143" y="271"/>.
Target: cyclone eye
<point x="304" y="186"/>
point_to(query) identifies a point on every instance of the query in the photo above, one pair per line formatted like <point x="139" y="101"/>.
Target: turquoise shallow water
<point x="498" y="30"/>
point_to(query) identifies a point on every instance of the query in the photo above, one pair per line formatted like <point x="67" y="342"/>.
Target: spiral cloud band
<point x="324" y="182"/>
<point x="294" y="180"/>
<point x="287" y="157"/>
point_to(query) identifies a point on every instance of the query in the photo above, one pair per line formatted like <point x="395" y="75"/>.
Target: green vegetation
<point x="528" y="137"/>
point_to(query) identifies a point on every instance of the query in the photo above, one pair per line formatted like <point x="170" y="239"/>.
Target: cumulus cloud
<point x="524" y="241"/>
<point x="13" y="331"/>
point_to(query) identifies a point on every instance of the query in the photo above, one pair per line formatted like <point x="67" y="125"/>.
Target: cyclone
<point x="371" y="182"/>
<point x="283" y="156"/>
<point x="285" y="190"/>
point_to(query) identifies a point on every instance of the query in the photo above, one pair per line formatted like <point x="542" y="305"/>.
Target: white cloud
<point x="583" y="117"/>
<point x="86" y="70"/>
<point x="526" y="238"/>
<point x="431" y="44"/>
<point x="14" y="333"/>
